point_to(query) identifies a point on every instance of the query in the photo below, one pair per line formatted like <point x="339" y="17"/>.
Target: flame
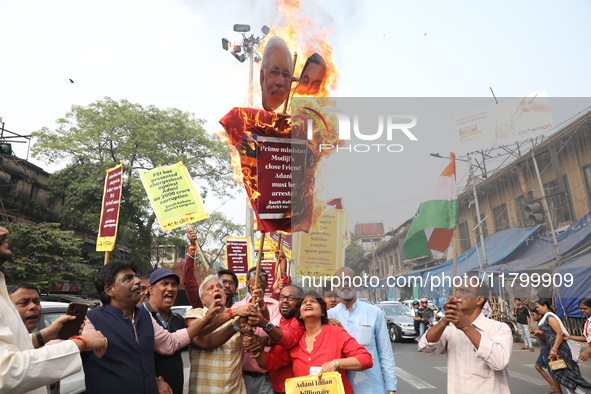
<point x="304" y="36"/>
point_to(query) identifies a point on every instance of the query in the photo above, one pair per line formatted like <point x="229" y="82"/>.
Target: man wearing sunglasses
<point x="478" y="349"/>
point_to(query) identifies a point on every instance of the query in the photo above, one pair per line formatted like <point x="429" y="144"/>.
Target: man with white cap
<point x="162" y="288"/>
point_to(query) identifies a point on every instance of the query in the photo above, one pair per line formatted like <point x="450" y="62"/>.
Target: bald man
<point x="367" y="324"/>
<point x="276" y="73"/>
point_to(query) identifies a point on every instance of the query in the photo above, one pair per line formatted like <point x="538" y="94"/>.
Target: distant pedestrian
<point x="521" y="313"/>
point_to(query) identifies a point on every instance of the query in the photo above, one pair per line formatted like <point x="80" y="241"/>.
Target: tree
<point x="354" y="256"/>
<point x="98" y="136"/>
<point x="43" y="255"/>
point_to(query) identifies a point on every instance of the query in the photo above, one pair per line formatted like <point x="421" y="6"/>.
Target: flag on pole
<point x="432" y="227"/>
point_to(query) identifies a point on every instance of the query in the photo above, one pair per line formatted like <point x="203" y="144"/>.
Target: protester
<point x="230" y="282"/>
<point x="190" y="282"/>
<point x="328" y="347"/>
<point x="128" y="366"/>
<point x="542" y="361"/>
<point x="367" y="324"/>
<point x="522" y="315"/>
<point x="216" y="358"/>
<point x="23" y="368"/>
<point x="554" y="332"/>
<point x="257" y="379"/>
<point x="289" y="299"/>
<point x="471" y="340"/>
<point x="162" y="290"/>
<point x="144" y="292"/>
<point x="28" y="303"/>
<point x="331" y="299"/>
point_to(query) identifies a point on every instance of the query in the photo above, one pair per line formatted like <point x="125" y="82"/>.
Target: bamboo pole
<point x="259" y="259"/>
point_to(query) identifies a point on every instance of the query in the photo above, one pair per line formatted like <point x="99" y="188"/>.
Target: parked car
<point x="399" y="320"/>
<point x="181" y="309"/>
<point x="51" y="311"/>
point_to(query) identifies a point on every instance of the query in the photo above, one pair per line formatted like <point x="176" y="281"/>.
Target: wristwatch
<point x="236" y="328"/>
<point x="268" y="327"/>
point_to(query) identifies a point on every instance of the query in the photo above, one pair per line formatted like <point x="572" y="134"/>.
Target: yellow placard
<point x="320" y="252"/>
<point x="331" y="383"/>
<point x="173" y="197"/>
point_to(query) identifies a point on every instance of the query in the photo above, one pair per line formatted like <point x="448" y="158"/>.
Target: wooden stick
<point x="107" y="257"/>
<point x="205" y="263"/>
<point x="259" y="260"/>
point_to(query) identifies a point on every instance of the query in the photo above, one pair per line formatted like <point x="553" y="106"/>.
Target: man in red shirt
<point x="288" y="326"/>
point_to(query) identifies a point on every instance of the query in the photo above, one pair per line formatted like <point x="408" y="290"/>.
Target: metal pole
<point x="546" y="210"/>
<point x="249" y="214"/>
<point x="481" y="235"/>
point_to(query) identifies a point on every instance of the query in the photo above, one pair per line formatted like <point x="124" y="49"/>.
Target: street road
<point x="425" y="374"/>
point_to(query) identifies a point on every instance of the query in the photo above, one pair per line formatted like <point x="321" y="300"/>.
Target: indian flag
<point x="432" y="227"/>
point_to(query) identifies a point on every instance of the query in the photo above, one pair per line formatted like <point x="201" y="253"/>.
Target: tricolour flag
<point x="432" y="227"/>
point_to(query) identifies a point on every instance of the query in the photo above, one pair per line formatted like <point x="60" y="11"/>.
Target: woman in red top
<point x="321" y="349"/>
<point x="585" y="307"/>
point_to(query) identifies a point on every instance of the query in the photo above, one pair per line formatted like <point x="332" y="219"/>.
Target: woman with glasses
<point x="554" y="331"/>
<point x="585" y="307"/>
<point x="323" y="348"/>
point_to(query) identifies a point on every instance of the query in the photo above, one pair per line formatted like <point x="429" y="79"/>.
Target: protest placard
<point x="173" y="197"/>
<point x="107" y="234"/>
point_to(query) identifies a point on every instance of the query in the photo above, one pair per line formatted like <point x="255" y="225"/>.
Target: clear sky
<point x="169" y="54"/>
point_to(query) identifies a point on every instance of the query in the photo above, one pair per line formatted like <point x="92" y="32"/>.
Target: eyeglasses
<point x="462" y="292"/>
<point x="228" y="282"/>
<point x="254" y="273"/>
<point x="287" y="297"/>
<point x="536" y="314"/>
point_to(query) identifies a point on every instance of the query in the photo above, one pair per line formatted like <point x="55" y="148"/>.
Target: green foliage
<point x="354" y="257"/>
<point x="99" y="136"/>
<point x="211" y="235"/>
<point x="43" y="255"/>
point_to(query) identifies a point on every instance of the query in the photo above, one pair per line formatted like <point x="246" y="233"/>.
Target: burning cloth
<point x="277" y="168"/>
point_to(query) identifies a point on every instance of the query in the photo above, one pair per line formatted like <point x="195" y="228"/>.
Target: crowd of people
<point x="132" y="343"/>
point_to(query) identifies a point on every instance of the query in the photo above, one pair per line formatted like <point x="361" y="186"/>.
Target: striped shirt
<point x="471" y="370"/>
<point x="219" y="370"/>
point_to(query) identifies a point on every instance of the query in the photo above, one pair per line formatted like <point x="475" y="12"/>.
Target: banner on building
<point x="173" y="197"/>
<point x="107" y="234"/>
<point x="504" y="124"/>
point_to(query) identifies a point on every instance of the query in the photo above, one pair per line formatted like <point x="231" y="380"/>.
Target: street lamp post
<point x="241" y="51"/>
